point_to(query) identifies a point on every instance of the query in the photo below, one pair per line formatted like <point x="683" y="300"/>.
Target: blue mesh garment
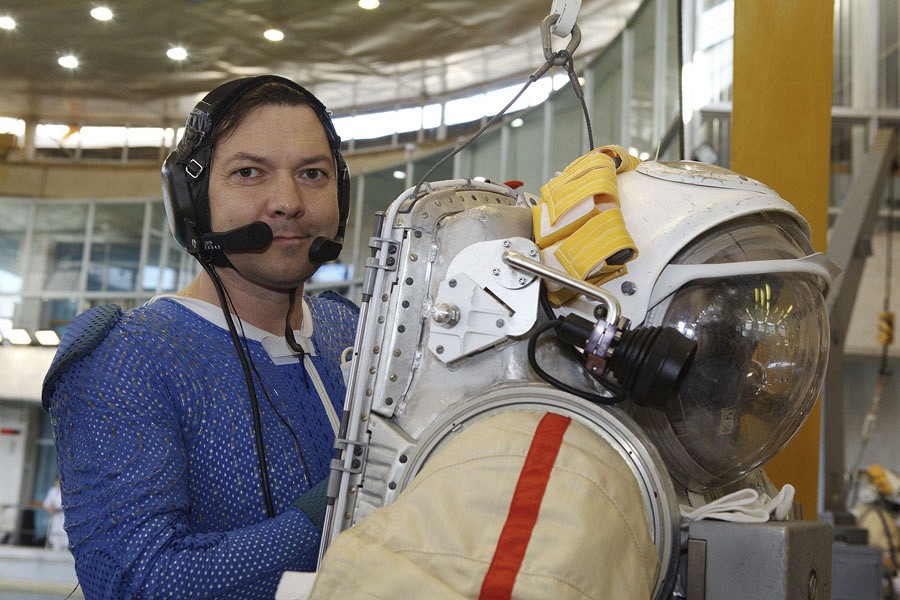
<point x="157" y="458"/>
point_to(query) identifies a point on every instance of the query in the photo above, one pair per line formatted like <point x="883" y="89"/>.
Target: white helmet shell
<point x="665" y="206"/>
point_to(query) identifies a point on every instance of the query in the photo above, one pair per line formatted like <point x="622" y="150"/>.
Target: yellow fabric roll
<point x="579" y="225"/>
<point x="585" y="252"/>
<point x="592" y="175"/>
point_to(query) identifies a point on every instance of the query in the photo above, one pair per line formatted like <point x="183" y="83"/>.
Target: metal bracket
<point x="386" y="259"/>
<point x="360" y="451"/>
<point x="482" y="300"/>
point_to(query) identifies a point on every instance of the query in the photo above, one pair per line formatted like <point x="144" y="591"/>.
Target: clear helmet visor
<point x="763" y="342"/>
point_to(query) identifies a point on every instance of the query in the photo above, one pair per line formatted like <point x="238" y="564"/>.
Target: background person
<point x="56" y="532"/>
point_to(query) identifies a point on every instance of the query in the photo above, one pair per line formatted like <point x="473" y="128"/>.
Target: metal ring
<point x="549" y="54"/>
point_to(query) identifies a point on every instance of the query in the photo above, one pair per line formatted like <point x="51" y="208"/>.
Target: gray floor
<point x="28" y="573"/>
<point x="37" y="592"/>
<point x="19" y="595"/>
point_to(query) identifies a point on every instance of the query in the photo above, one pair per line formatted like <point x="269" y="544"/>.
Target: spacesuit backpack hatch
<point x="537" y="384"/>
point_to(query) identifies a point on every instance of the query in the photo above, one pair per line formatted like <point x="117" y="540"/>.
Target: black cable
<point x="544" y="302"/>
<point x="481" y="129"/>
<point x="254" y="403"/>
<point x="581" y="393"/>
<point x="538" y="73"/>
<point x="587" y="123"/>
<point x="264" y="388"/>
<point x="579" y="93"/>
<point x="289" y="330"/>
<point x="572" y="351"/>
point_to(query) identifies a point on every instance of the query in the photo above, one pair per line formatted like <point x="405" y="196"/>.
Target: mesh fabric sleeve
<point x="126" y="462"/>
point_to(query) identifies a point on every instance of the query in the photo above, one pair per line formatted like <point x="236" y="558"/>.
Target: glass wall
<point x="848" y="148"/>
<point x="60" y="257"/>
<point x="841" y="82"/>
<point x="888" y="51"/>
<point x="642" y="106"/>
<point x="523" y="163"/>
<point x="865" y="91"/>
<point x="13" y="228"/>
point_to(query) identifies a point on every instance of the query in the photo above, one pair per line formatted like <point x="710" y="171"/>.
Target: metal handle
<point x="523" y="263"/>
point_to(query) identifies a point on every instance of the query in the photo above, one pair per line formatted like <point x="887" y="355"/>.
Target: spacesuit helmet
<point x="729" y="264"/>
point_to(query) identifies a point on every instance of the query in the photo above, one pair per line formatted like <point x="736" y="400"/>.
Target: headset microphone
<point x="255" y="236"/>
<point x="323" y="250"/>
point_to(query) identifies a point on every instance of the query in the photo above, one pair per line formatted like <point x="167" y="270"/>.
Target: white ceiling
<point x="403" y="52"/>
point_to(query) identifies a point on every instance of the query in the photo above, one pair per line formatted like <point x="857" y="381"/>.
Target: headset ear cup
<point x="179" y="207"/>
<point x="185" y="196"/>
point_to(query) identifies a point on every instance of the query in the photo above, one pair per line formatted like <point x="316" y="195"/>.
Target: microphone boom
<point x="255" y="236"/>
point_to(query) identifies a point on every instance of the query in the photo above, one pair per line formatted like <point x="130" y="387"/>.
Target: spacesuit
<point x="482" y="455"/>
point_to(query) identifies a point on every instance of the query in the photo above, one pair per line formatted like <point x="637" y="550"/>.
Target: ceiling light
<point x="19" y="337"/>
<point x="7" y="22"/>
<point x="47" y="337"/>
<point x="176" y="53"/>
<point x="102" y="13"/>
<point x="273" y="35"/>
<point x="368" y="4"/>
<point x="517" y="122"/>
<point x="399" y="174"/>
<point x="68" y="61"/>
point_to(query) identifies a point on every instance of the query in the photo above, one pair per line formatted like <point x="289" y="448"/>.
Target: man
<point x="194" y="433"/>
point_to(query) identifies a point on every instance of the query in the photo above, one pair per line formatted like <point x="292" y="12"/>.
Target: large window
<point x="59" y="257"/>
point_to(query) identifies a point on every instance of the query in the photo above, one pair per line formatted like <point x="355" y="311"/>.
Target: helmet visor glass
<point x="762" y="348"/>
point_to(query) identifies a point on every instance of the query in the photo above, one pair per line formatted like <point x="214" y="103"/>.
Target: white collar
<point x="276" y="346"/>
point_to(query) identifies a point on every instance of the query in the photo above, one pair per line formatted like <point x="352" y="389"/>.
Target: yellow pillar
<point x="781" y="132"/>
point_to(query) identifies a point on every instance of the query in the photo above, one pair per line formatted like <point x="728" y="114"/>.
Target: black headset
<point x="185" y="181"/>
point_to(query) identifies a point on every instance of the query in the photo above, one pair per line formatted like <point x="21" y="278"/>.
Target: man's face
<point x="276" y="167"/>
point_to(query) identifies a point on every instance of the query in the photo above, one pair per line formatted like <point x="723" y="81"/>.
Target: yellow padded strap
<point x="628" y="161"/>
<point x="579" y="225"/>
<point x="585" y="252"/>
<point x="546" y="235"/>
<point x="589" y="176"/>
